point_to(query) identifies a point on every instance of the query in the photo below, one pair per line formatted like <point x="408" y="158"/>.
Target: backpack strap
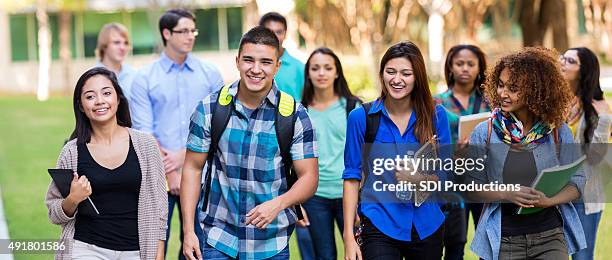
<point x="372" y="122"/>
<point x="489" y="128"/>
<point x="557" y="143"/>
<point x="284" y="122"/>
<point x="350" y="105"/>
<point x="221" y="113"/>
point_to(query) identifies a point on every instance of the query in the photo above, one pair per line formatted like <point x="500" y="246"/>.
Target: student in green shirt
<point x="290" y="75"/>
<point x="328" y="99"/>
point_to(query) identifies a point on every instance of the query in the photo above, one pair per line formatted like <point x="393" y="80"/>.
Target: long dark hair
<point x="82" y="129"/>
<point x="588" y="88"/>
<point x="423" y="103"/>
<point x="482" y="65"/>
<point x="341" y="87"/>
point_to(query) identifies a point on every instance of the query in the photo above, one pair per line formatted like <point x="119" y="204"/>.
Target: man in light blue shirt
<point x="165" y="93"/>
<point x="113" y="46"/>
<point x="290" y="76"/>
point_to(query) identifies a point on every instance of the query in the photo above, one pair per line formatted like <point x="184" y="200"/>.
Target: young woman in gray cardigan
<point x="119" y="169"/>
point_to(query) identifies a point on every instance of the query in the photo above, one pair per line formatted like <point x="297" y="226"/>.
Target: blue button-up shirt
<point x="125" y="77"/>
<point x="247" y="171"/>
<point x="290" y="76"/>
<point x="393" y="219"/>
<point x="164" y="95"/>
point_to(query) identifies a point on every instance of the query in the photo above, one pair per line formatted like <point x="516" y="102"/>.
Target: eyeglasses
<point x="186" y="32"/>
<point x="568" y="60"/>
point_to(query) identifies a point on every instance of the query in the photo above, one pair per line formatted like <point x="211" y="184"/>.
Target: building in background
<point x="220" y="22"/>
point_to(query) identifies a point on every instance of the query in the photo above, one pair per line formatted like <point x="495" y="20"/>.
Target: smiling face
<point x="398" y="78"/>
<point x="322" y="71"/>
<point x="99" y="100"/>
<point x="509" y="94"/>
<point x="257" y="64"/>
<point x="465" y="67"/>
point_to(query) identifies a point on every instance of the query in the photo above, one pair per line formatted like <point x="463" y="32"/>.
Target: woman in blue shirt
<point x="329" y="100"/>
<point x="393" y="228"/>
<point x="530" y="98"/>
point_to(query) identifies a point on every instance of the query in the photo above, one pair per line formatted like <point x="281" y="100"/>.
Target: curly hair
<point x="536" y="73"/>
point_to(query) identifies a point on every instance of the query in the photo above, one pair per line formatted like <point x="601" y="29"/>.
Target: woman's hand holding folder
<point x="80" y="190"/>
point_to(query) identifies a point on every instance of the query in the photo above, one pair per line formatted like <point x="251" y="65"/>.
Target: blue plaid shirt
<point x="247" y="171"/>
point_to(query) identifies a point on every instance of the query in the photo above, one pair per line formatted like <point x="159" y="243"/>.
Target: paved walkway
<point x="606" y="79"/>
<point x="3" y="230"/>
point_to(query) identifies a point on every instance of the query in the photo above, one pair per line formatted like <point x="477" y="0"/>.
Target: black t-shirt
<point x="115" y="194"/>
<point x="520" y="167"/>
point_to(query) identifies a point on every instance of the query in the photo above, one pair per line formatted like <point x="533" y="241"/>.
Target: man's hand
<point x="191" y="246"/>
<point x="173" y="160"/>
<point x="304" y="222"/>
<point x="174" y="182"/>
<point x="264" y="213"/>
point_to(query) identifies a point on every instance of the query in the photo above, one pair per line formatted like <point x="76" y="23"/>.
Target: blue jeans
<point x="322" y="212"/>
<point x="172" y="200"/>
<point x="211" y="253"/>
<point x="304" y="242"/>
<point x="589" y="224"/>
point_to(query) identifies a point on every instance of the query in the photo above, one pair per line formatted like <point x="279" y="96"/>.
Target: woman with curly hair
<point x="580" y="68"/>
<point x="529" y="97"/>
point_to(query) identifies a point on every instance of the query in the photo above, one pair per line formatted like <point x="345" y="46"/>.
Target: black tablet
<point x="63" y="179"/>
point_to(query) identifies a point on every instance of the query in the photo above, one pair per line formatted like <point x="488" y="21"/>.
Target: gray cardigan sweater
<point x="152" y="200"/>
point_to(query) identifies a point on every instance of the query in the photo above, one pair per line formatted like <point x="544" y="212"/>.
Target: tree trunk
<point x="44" y="51"/>
<point x="607" y="15"/>
<point x="531" y="24"/>
<point x="555" y="11"/>
<point x="65" y="18"/>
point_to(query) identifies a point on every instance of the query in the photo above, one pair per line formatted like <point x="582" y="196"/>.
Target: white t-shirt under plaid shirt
<point x="246" y="172"/>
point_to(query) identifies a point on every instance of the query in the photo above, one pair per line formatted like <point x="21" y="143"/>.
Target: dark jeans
<point x="172" y="200"/>
<point x="455" y="229"/>
<point x="304" y="242"/>
<point x="322" y="212"/>
<point x="549" y="244"/>
<point x="377" y="245"/>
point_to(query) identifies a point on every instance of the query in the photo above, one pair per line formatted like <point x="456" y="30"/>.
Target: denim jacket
<point x="487" y="239"/>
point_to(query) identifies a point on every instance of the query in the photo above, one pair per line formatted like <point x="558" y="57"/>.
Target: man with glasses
<point x="165" y="93"/>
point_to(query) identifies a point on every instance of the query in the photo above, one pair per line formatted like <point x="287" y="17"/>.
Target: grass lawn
<point x="31" y="136"/>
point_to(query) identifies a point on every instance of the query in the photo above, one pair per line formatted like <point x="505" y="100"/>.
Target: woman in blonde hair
<point x="113" y="46"/>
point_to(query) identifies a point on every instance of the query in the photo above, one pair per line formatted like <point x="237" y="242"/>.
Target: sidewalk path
<point x="3" y="230"/>
<point x="605" y="79"/>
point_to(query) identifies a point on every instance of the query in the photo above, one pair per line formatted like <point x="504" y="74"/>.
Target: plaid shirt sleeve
<point x="304" y="144"/>
<point x="199" y="127"/>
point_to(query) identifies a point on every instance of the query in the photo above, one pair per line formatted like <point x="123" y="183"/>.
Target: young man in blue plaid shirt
<point x="249" y="214"/>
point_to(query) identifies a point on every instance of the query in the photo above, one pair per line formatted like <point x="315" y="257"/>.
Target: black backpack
<point x="284" y="122"/>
